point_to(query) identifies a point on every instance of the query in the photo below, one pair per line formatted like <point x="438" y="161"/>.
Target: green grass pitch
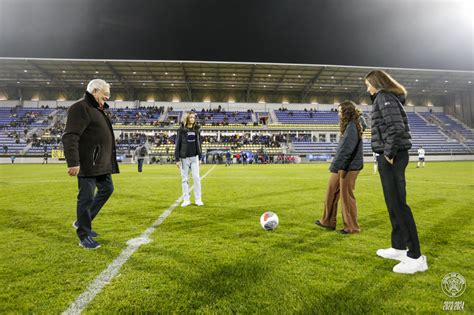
<point x="217" y="258"/>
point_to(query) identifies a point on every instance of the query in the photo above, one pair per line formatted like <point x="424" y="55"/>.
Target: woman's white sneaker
<point x="185" y="203"/>
<point x="411" y="265"/>
<point x="392" y="253"/>
<point x="199" y="203"/>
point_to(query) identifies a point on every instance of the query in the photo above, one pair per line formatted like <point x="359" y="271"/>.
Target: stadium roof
<point x="190" y="76"/>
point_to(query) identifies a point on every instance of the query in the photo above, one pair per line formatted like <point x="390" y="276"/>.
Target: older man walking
<point x="89" y="149"/>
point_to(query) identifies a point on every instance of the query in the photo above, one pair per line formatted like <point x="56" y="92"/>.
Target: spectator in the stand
<point x="89" y="149"/>
<point x="5" y="148"/>
<point x="187" y="156"/>
<point x="344" y="169"/>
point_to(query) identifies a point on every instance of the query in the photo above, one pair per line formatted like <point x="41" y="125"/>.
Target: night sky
<point x="424" y="34"/>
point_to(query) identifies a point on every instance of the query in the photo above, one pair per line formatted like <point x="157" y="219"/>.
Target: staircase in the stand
<point x="273" y="116"/>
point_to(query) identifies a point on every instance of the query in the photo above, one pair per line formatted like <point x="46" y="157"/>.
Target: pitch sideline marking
<point x="113" y="268"/>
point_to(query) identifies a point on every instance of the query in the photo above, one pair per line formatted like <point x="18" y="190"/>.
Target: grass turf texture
<point x="217" y="258"/>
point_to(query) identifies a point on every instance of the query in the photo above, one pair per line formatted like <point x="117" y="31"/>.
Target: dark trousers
<point x="404" y="232"/>
<point x="90" y="202"/>
<point x="140" y="165"/>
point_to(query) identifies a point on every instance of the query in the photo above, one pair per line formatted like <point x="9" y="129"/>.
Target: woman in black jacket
<point x="345" y="167"/>
<point x="391" y="139"/>
<point x="187" y="155"/>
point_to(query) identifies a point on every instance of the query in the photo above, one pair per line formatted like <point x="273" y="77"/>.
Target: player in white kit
<point x="421" y="157"/>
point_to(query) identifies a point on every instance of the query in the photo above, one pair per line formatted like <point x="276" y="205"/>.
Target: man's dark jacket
<point x="182" y="143"/>
<point x="390" y="130"/>
<point x="350" y="151"/>
<point x="89" y="140"/>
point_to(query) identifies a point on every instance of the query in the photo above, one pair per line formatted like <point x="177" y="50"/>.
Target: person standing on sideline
<point x="228" y="158"/>
<point x="362" y="120"/>
<point x="140" y="154"/>
<point x="376" y="161"/>
<point x="187" y="155"/>
<point x="89" y="149"/>
<point x="391" y="139"/>
<point x="345" y="167"/>
<point x="244" y="158"/>
<point x="45" y="157"/>
<point x="421" y="156"/>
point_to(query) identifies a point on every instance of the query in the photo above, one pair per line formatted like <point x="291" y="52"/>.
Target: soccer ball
<point x="269" y="220"/>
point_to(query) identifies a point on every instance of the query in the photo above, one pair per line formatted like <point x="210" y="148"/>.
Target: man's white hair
<point x="97" y="84"/>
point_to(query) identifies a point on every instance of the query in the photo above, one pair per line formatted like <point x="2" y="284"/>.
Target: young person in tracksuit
<point x="345" y="167"/>
<point x="391" y="139"/>
<point x="89" y="149"/>
<point x="187" y="155"/>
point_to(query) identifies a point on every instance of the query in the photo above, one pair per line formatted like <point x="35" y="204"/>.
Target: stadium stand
<point x="306" y="117"/>
<point x="19" y="127"/>
<point x="33" y="131"/>
<point x="225" y="118"/>
<point x="139" y="116"/>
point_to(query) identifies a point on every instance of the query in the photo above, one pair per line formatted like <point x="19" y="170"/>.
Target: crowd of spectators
<point x="140" y="116"/>
<point x="207" y="117"/>
<point x="27" y="119"/>
<point x="50" y="136"/>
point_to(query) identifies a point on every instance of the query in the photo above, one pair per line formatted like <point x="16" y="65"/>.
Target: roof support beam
<point x="130" y="91"/>
<point x="310" y="84"/>
<point x="250" y="83"/>
<point x="430" y="83"/>
<point x="66" y="88"/>
<point x="186" y="81"/>
<point x="281" y="80"/>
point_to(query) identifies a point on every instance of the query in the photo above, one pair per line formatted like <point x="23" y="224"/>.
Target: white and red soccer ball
<point x="269" y="221"/>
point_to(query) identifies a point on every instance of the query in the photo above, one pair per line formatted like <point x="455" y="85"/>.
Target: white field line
<point x="112" y="269"/>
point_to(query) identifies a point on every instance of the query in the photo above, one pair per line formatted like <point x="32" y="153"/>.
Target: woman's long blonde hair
<point x="186" y="119"/>
<point x="381" y="80"/>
